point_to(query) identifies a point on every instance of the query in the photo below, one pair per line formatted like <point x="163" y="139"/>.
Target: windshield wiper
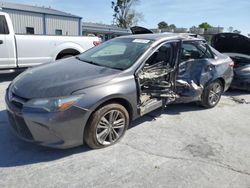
<point x="88" y="61"/>
<point x="93" y="63"/>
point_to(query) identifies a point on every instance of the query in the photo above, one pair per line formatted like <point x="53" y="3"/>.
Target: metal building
<point x="41" y="20"/>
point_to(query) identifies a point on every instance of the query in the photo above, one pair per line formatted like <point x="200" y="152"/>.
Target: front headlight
<point x="53" y="104"/>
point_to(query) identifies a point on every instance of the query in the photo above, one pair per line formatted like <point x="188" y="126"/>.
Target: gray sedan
<point x="94" y="96"/>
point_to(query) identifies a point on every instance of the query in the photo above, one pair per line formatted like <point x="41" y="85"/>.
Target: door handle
<point x="1" y="42"/>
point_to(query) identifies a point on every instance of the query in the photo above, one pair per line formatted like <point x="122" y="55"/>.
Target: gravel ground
<point x="186" y="146"/>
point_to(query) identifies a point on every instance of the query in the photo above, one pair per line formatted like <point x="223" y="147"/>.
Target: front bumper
<point x="58" y="129"/>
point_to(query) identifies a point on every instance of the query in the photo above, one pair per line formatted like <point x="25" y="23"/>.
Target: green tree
<point x="205" y="25"/>
<point x="172" y="26"/>
<point x="124" y="14"/>
<point x="162" y="25"/>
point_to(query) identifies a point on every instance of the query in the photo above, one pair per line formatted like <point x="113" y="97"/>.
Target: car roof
<point x="163" y="36"/>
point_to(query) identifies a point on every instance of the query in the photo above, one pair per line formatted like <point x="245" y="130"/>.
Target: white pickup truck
<point x="21" y="51"/>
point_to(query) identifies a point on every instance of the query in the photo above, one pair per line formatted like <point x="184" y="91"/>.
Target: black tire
<point x="66" y="56"/>
<point x="212" y="94"/>
<point x="94" y="134"/>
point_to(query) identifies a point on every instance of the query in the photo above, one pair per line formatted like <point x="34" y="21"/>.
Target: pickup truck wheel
<point x="67" y="53"/>
<point x="66" y="56"/>
<point x="106" y="126"/>
<point x="212" y="94"/>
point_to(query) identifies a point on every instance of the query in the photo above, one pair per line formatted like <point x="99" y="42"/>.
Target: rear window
<point x="206" y="52"/>
<point x="3" y="25"/>
<point x="195" y="50"/>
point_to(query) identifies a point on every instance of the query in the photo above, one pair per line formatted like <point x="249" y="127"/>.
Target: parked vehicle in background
<point x="238" y="48"/>
<point x="103" y="89"/>
<point x="18" y="51"/>
<point x="136" y="30"/>
<point x="142" y="30"/>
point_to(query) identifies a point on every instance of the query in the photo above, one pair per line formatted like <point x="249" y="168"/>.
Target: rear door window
<point x="3" y="25"/>
<point x="190" y="51"/>
<point x="198" y="50"/>
<point x="205" y="50"/>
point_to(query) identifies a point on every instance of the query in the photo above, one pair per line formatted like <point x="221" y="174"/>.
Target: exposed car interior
<point x="156" y="79"/>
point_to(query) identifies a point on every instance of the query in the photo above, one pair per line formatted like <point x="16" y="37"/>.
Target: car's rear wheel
<point x="106" y="126"/>
<point x="212" y="94"/>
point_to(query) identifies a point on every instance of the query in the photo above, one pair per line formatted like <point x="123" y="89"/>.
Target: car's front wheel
<point x="106" y="126"/>
<point x="212" y="94"/>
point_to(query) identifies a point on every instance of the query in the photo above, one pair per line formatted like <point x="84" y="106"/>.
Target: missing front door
<point x="157" y="78"/>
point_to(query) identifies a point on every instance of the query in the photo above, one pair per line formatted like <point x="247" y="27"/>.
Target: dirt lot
<point x="186" y="146"/>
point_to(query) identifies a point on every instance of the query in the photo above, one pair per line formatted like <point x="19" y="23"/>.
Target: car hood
<point x="140" y="30"/>
<point x="231" y="43"/>
<point x="237" y="47"/>
<point x="60" y="78"/>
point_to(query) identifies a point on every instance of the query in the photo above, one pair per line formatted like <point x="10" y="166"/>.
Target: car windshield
<point x="119" y="53"/>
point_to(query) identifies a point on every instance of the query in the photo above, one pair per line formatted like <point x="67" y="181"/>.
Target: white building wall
<point x="197" y="30"/>
<point x="214" y="30"/>
<point x="69" y="26"/>
<point x="180" y="30"/>
<point x="21" y="20"/>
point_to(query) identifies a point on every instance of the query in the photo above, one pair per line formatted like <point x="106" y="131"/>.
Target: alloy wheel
<point x="215" y="93"/>
<point x="110" y="127"/>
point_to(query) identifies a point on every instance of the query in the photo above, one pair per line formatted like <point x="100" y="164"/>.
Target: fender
<point x="67" y="45"/>
<point x="119" y="98"/>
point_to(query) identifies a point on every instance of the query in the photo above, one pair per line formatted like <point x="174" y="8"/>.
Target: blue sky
<point x="182" y="13"/>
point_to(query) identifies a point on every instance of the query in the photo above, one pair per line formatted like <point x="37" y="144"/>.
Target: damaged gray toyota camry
<point x="94" y="96"/>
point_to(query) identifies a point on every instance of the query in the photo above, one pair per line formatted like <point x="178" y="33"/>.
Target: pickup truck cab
<point x="21" y="51"/>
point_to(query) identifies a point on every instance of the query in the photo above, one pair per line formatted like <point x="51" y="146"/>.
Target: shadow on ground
<point x="236" y="92"/>
<point x="8" y="77"/>
<point x="173" y="109"/>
